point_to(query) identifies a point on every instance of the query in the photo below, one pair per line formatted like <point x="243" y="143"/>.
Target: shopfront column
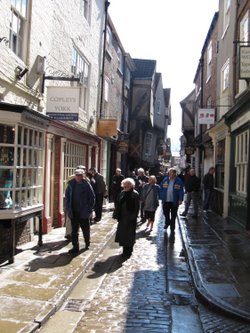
<point x="61" y="188"/>
<point x="48" y="209"/>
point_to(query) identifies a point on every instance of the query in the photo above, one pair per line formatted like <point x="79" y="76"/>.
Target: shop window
<point x="74" y="155"/>
<point x="220" y="160"/>
<point x="241" y="162"/>
<point x="21" y="167"/>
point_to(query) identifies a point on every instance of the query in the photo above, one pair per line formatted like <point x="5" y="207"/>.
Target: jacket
<point x="146" y="194"/>
<point x="178" y="190"/>
<point x="87" y="198"/>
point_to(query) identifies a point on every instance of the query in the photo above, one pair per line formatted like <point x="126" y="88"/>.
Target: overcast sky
<point x="172" y="32"/>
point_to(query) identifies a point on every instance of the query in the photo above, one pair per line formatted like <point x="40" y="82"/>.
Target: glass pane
<point x="24" y="8"/>
<point x="6" y="200"/>
<point x="20" y="131"/>
<point x="7" y="134"/>
<point x="6" y="156"/>
<point x="19" y="157"/>
<point x="18" y="178"/>
<point x="18" y="200"/>
<point x="25" y="137"/>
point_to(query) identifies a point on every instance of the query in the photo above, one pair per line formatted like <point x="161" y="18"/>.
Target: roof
<point x="144" y="68"/>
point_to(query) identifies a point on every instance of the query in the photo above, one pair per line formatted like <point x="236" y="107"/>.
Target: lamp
<point x="20" y="72"/>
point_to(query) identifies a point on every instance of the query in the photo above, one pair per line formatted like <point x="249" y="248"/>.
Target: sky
<point x="172" y="32"/>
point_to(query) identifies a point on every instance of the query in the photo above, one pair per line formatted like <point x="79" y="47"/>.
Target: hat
<point x="82" y="167"/>
<point x="79" y="172"/>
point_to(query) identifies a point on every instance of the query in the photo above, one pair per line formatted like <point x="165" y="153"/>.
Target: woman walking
<point x="150" y="199"/>
<point x="126" y="212"/>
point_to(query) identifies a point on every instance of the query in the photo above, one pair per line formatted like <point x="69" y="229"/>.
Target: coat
<point x="126" y="213"/>
<point x="150" y="191"/>
<point x="87" y="199"/>
<point x="178" y="190"/>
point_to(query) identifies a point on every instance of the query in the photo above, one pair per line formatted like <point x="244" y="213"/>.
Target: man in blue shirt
<point x="171" y="194"/>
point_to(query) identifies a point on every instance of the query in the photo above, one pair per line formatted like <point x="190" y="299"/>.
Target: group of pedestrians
<point x="138" y="194"/>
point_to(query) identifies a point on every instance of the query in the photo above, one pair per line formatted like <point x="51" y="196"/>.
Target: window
<point x="108" y="38"/>
<point x="241" y="159"/>
<point x="227" y="4"/>
<point x="244" y="39"/>
<point x="220" y="161"/>
<point x="209" y="60"/>
<point x="158" y="106"/>
<point x="225" y="76"/>
<point x="86" y="9"/>
<point x="18" y="20"/>
<point x="74" y="154"/>
<point x="106" y="98"/>
<point x="148" y="144"/>
<point x="80" y="68"/>
<point x="120" y="60"/>
<point x="21" y="167"/>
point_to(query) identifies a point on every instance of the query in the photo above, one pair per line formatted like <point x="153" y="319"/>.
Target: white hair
<point x="128" y="180"/>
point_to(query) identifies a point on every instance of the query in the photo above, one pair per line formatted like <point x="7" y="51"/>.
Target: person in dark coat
<point x="208" y="186"/>
<point x="80" y="200"/>
<point x="192" y="188"/>
<point x="116" y="184"/>
<point x="100" y="193"/>
<point x="126" y="213"/>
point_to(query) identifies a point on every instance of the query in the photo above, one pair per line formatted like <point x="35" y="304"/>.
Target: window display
<point x="21" y="166"/>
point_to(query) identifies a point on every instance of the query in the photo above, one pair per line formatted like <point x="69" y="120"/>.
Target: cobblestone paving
<point x="133" y="297"/>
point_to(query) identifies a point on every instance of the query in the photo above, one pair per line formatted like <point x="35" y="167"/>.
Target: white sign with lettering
<point x="63" y="103"/>
<point x="245" y="62"/>
<point x="206" y="116"/>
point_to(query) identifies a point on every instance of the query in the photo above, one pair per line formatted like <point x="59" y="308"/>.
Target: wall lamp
<point x="20" y="72"/>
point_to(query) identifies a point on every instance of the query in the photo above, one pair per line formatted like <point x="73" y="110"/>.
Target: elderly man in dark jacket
<point x="192" y="189"/>
<point x="80" y="200"/>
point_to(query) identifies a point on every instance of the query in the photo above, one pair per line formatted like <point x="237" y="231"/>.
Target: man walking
<point x="100" y="193"/>
<point x="192" y="189"/>
<point x="171" y="194"/>
<point x="208" y="186"/>
<point x="80" y="200"/>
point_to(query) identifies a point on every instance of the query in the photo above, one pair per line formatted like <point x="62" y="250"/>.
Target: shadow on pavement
<point x="110" y="265"/>
<point x="51" y="261"/>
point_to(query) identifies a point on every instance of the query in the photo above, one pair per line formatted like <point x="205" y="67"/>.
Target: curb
<point x="200" y="291"/>
<point x="44" y="316"/>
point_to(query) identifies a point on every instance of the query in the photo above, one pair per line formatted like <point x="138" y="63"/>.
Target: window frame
<point x="80" y="68"/>
<point x="241" y="161"/>
<point x="18" y="27"/>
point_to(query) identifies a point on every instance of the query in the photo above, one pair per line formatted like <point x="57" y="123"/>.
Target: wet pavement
<point x="218" y="253"/>
<point x="149" y="292"/>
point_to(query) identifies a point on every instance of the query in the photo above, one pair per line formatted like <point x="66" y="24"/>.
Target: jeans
<point x="192" y="196"/>
<point x="170" y="213"/>
<point x="207" y="199"/>
<point x="85" y="226"/>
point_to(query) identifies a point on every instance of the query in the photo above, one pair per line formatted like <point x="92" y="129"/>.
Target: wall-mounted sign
<point x="245" y="62"/>
<point x="63" y="103"/>
<point x="106" y="128"/>
<point x="206" y="116"/>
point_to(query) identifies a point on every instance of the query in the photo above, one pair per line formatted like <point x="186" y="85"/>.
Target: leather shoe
<point x="74" y="250"/>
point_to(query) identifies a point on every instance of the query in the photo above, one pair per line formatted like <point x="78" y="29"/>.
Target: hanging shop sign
<point x="63" y="103"/>
<point x="206" y="116"/>
<point x="106" y="128"/>
<point x="245" y="62"/>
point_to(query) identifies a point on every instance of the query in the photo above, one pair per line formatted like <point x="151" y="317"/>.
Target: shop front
<point x="22" y="142"/>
